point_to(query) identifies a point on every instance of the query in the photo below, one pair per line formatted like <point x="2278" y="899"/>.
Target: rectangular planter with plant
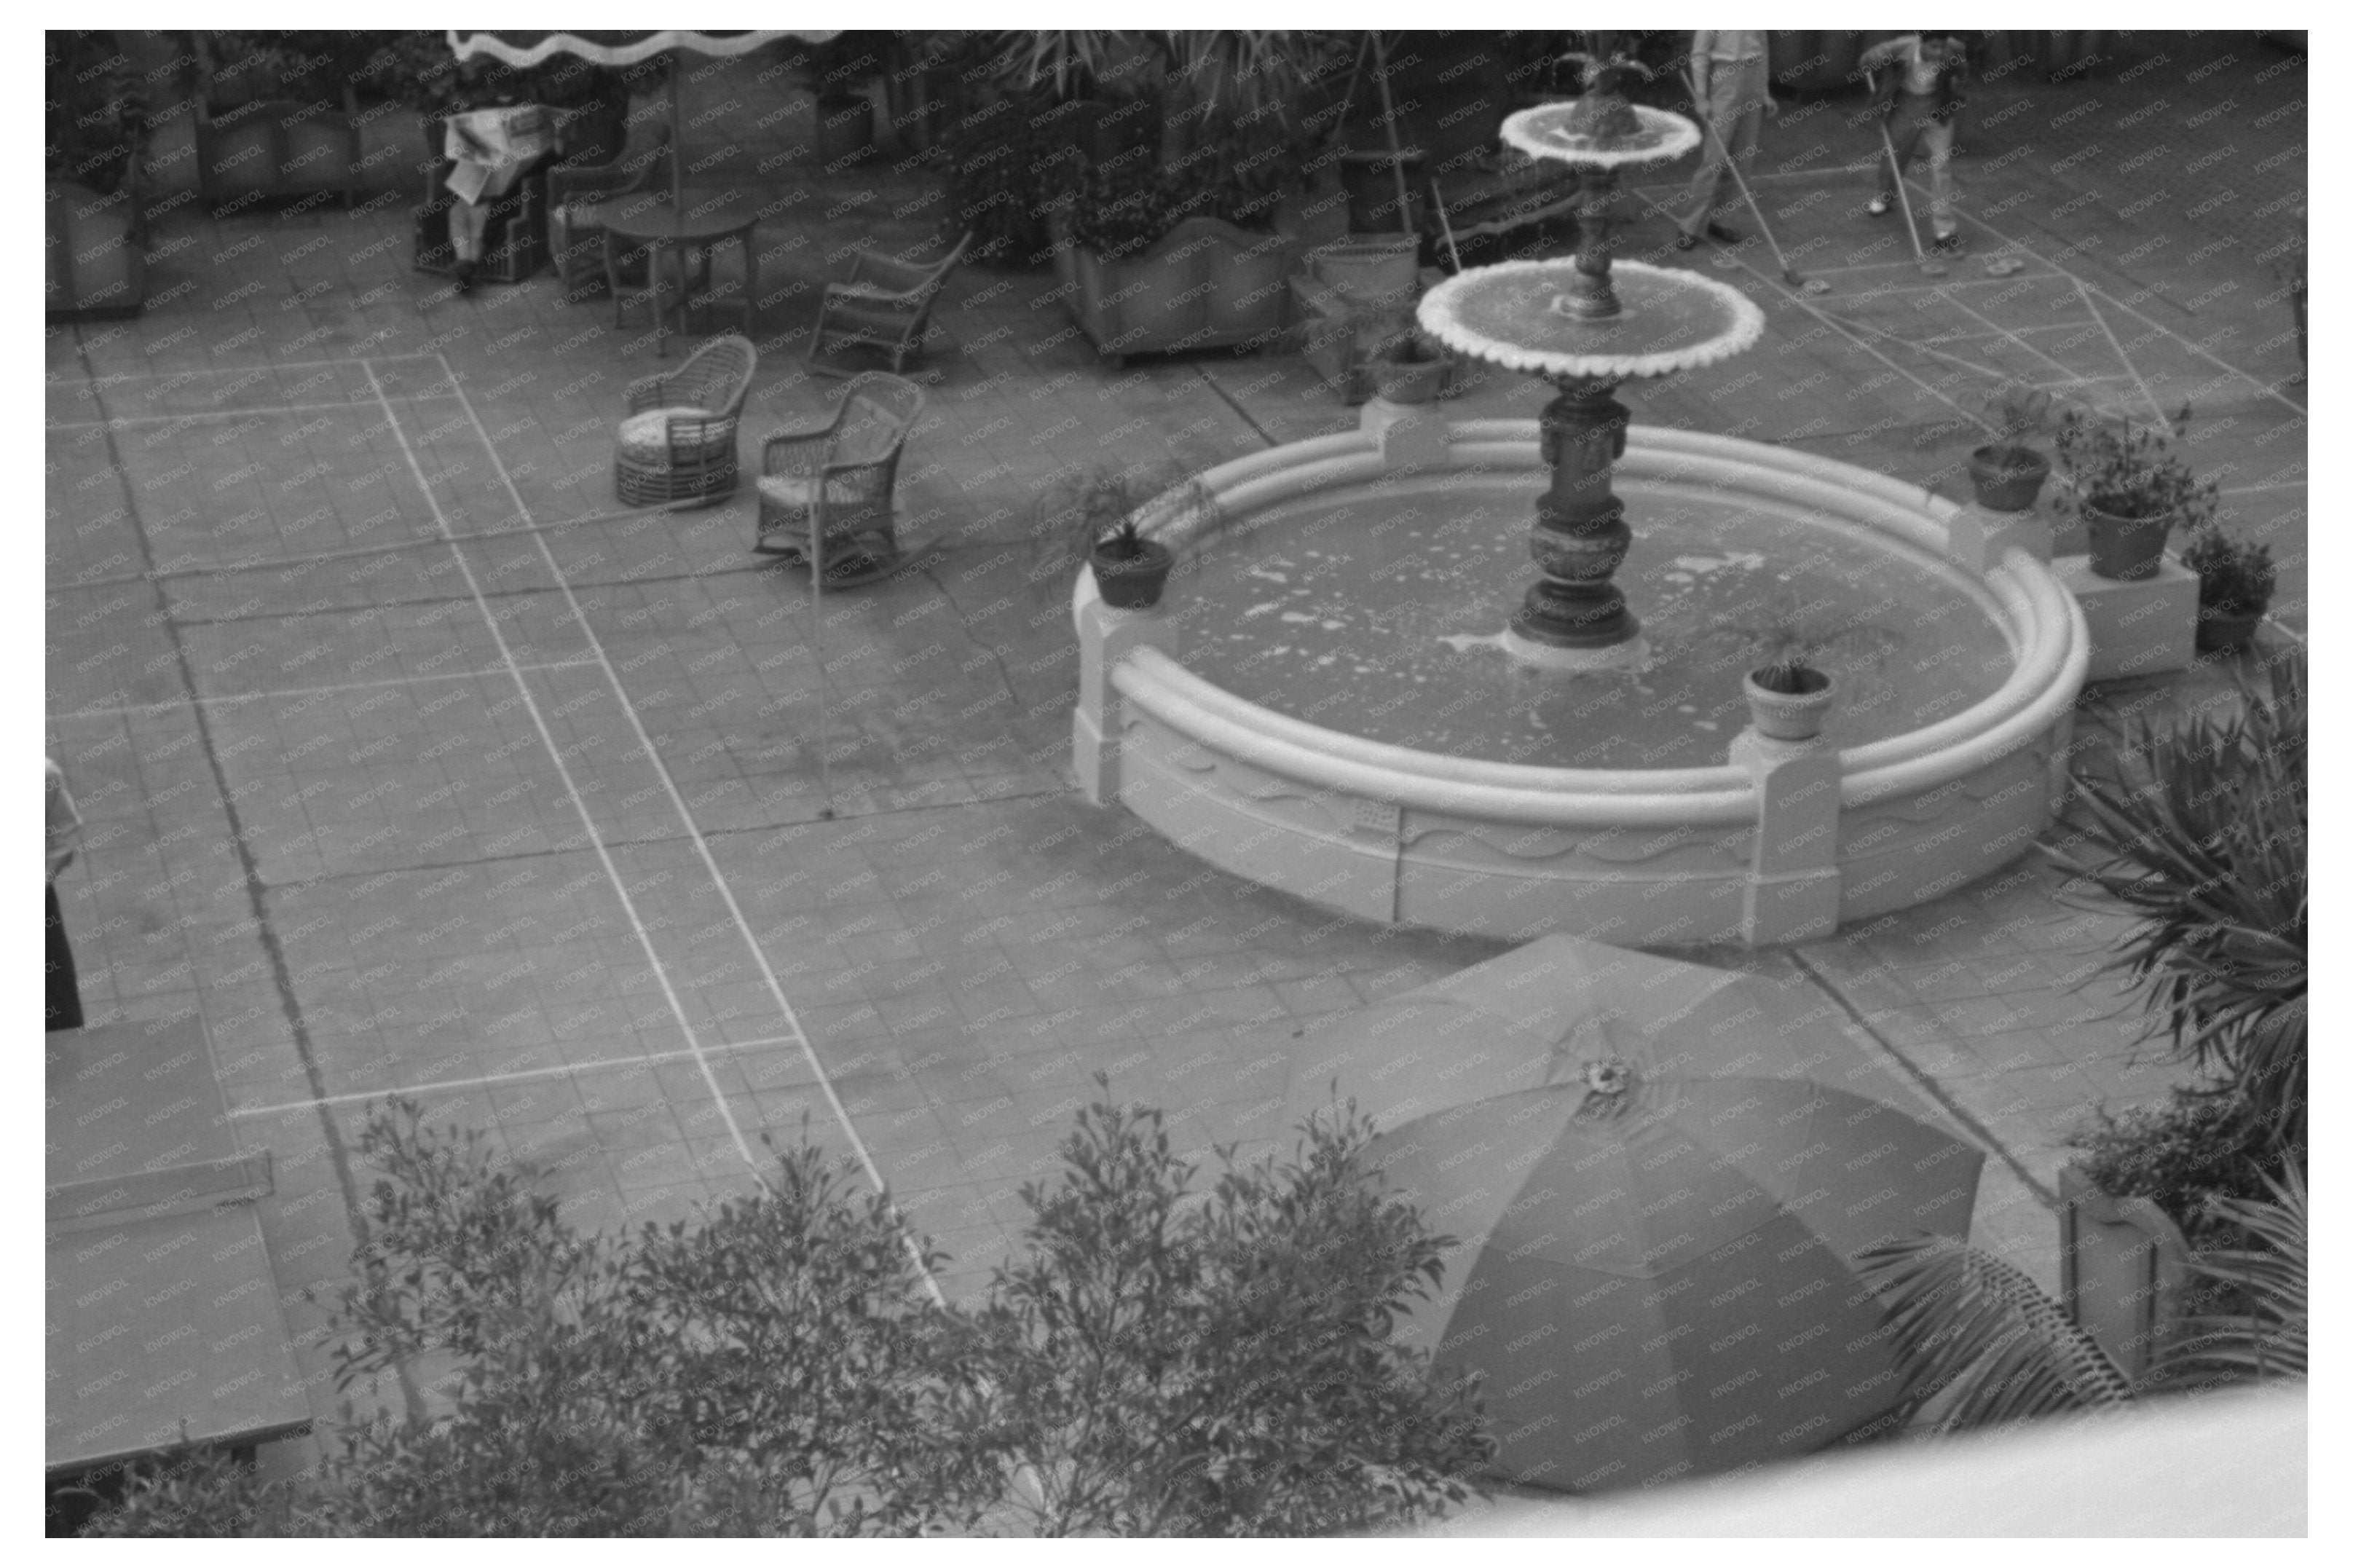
<point x="1149" y="263"/>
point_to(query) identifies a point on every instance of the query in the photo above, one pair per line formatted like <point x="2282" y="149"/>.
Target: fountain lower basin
<point x="1437" y="834"/>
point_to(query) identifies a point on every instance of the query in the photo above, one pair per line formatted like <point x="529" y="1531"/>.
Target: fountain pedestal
<point x="1580" y="536"/>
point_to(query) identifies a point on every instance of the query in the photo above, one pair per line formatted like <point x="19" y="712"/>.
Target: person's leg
<point x="1749" y="114"/>
<point x="467" y="220"/>
<point x="1937" y="135"/>
<point x="1699" y="200"/>
<point x="64" y="992"/>
<point x="1903" y="129"/>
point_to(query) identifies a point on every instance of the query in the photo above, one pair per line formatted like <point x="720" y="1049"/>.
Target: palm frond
<point x="2271" y="1339"/>
<point x="1979" y="1337"/>
<point x="2200" y="832"/>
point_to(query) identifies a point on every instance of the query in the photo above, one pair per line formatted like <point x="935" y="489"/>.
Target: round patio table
<point x="702" y="219"/>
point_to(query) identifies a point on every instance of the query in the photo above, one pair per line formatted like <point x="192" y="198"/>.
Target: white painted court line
<point x="125" y="421"/>
<point x="2083" y="292"/>
<point x="2062" y="368"/>
<point x="525" y="1075"/>
<point x="556" y="754"/>
<point x="113" y="376"/>
<point x="296" y="691"/>
<point x="1840" y="325"/>
<point x="702" y="846"/>
<point x="295" y="563"/>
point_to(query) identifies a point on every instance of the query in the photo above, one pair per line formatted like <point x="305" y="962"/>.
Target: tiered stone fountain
<point x="1324" y="704"/>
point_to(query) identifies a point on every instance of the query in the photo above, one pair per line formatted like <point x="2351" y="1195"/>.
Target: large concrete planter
<point x="278" y="147"/>
<point x="2123" y="1266"/>
<point x="1208" y="284"/>
<point x="93" y="265"/>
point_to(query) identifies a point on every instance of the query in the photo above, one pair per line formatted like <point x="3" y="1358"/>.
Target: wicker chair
<point x="677" y="445"/>
<point x="834" y="481"/>
<point x="884" y="302"/>
<point x="579" y="245"/>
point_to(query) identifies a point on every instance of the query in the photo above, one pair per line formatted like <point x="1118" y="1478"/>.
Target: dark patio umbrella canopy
<point x="1659" y="1176"/>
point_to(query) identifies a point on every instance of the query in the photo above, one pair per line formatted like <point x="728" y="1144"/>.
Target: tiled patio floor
<point x="412" y="761"/>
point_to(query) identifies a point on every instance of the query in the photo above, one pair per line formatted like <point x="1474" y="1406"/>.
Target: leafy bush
<point x="1154" y="1364"/>
<point x="2132" y="472"/>
<point x="2233" y="575"/>
<point x="1980" y="1345"/>
<point x="1121" y="209"/>
<point x="2200" y="830"/>
<point x="96" y="126"/>
<point x="1013" y="164"/>
<point x="2184" y="1156"/>
<point x="1224" y="1367"/>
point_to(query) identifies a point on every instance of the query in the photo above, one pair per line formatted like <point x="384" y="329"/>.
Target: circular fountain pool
<point x="1383" y="615"/>
<point x="1317" y="706"/>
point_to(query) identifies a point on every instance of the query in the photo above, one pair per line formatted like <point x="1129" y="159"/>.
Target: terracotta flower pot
<point x="2007" y="478"/>
<point x="1132" y="582"/>
<point x="2126" y="549"/>
<point x="1409" y="381"/>
<point x="1790" y="715"/>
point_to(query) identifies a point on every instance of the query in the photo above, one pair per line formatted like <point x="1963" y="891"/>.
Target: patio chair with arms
<point x="885" y="302"/>
<point x="834" y="481"/>
<point x="677" y="445"/>
<point x="577" y="241"/>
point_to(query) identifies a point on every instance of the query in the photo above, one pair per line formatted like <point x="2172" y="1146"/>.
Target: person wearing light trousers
<point x="1736" y="93"/>
<point x="1921" y="91"/>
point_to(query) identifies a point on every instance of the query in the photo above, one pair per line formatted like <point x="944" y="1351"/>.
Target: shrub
<point x="2184" y="1156"/>
<point x="2199" y="830"/>
<point x="1013" y="164"/>
<point x="1154" y="1363"/>
<point x="2233" y="575"/>
<point x="2131" y="471"/>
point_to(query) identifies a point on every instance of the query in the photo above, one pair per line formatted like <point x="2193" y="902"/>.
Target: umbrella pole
<point x="817" y="646"/>
<point x="677" y="151"/>
<point x="1388" y="122"/>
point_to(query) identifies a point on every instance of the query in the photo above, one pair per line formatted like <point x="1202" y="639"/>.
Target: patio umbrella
<point x="525" y="48"/>
<point x="1658" y="1205"/>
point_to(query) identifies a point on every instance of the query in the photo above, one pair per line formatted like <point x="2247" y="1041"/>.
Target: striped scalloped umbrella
<point x="614" y="47"/>
<point x="1660" y="1174"/>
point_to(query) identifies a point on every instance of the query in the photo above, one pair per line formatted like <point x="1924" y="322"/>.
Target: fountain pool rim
<point x="1318" y="793"/>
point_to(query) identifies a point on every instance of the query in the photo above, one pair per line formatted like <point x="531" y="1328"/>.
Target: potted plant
<point x="1789" y="693"/>
<point x="1789" y="698"/>
<point x="2006" y="473"/>
<point x="1130" y="569"/>
<point x="1411" y="370"/>
<point x="2130" y="489"/>
<point x="2235" y="580"/>
<point x="1100" y="516"/>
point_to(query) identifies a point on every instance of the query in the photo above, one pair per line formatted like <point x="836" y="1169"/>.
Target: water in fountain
<point x="1376" y="615"/>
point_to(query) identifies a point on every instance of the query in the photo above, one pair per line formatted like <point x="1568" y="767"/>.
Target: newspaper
<point x="492" y="147"/>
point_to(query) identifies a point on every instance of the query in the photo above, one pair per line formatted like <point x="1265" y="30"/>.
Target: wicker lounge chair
<point x="884" y="302"/>
<point x="834" y="480"/>
<point x="677" y="445"/>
